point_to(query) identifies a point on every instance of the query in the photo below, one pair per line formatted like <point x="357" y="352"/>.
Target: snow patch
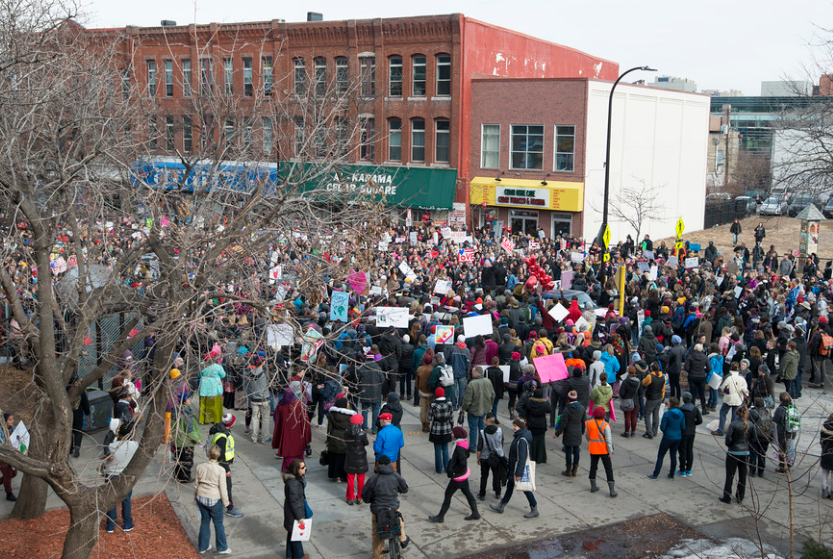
<point x="597" y="68"/>
<point x="732" y="548"/>
<point x="499" y="57"/>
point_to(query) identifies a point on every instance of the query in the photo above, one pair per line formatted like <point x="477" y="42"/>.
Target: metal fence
<point x="725" y="211"/>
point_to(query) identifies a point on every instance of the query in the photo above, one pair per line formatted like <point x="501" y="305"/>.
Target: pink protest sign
<point x="358" y="281"/>
<point x="551" y="367"/>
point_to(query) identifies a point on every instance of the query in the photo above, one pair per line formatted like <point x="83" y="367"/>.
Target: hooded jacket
<point x="697" y="366"/>
<point x="654" y="386"/>
<point x="478" y="397"/>
<point x="490" y="442"/>
<point x="518" y="451"/>
<point x="338" y="421"/>
<point x="647" y="345"/>
<point x="355" y="441"/>
<point x="571" y="424"/>
<point x="382" y="490"/>
<point x="294" y="499"/>
<point x="693" y="418"/>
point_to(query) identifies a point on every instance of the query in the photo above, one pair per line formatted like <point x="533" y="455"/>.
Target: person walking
<point x="121" y="453"/>
<point x="210" y="493"/>
<point x="672" y="427"/>
<point x="571" y="425"/>
<point x="423" y="390"/>
<point x="477" y="401"/>
<point x="293" y="431"/>
<point x="222" y="437"/>
<point x="737" y="455"/>
<point x="518" y="452"/>
<point x="761" y="432"/>
<point x="355" y="461"/>
<point x="693" y="418"/>
<point x="441" y="419"/>
<point x="211" y="389"/>
<point x="257" y="396"/>
<point x="295" y="505"/>
<point x="735" y="230"/>
<point x="458" y="473"/>
<point x="371" y="378"/>
<point x="490" y="457"/>
<point x="602" y="395"/>
<point x="654" y="384"/>
<point x="826" y="463"/>
<point x="628" y="401"/>
<point x="382" y="493"/>
<point x="535" y="414"/>
<point x="600" y="445"/>
<point x="185" y="437"/>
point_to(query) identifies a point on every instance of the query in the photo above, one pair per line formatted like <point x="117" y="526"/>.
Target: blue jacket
<point x="716" y="362"/>
<point x="611" y="366"/>
<point x="672" y="424"/>
<point x="388" y="442"/>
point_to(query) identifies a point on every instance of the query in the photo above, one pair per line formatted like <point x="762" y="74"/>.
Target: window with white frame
<point x="490" y="146"/>
<point x="367" y="66"/>
<point x="266" y="123"/>
<point x="366" y="140"/>
<point x="187" y="134"/>
<point x="300" y="135"/>
<point x="418" y="139"/>
<point x="395" y="76"/>
<point x="395" y="139"/>
<point x="186" y="77"/>
<point x="443" y="75"/>
<point x="207" y="75"/>
<point x="527" y="146"/>
<point x="418" y="70"/>
<point x="442" y="141"/>
<point x="565" y="148"/>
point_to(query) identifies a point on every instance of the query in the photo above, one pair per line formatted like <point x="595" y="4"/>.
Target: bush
<point x="811" y="549"/>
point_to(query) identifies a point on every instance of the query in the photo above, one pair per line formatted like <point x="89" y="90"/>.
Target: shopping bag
<point x="527" y="482"/>
<point x="301" y="530"/>
<point x="714" y="381"/>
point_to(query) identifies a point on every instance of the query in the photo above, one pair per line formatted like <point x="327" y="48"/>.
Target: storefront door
<point x="562" y="224"/>
<point x="524" y="222"/>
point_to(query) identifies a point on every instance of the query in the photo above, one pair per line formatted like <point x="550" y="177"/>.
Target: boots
<point x="475" y="515"/>
<point x="568" y="472"/>
<point x="498" y="507"/>
<point x="438" y="519"/>
<point x="611" y="485"/>
<point x="10" y="496"/>
<point x="532" y="513"/>
<point x="426" y="427"/>
<point x="593" y="486"/>
<point x="512" y="413"/>
<point x="574" y="470"/>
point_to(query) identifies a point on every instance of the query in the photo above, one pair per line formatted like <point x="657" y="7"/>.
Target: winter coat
<point x="582" y="387"/>
<point x="441" y="417"/>
<point x="518" y="451"/>
<point x="292" y="429"/>
<point x="672" y="424"/>
<point x="676" y="359"/>
<point x="495" y="376"/>
<point x="371" y="378"/>
<point x="457" y="463"/>
<point x="478" y="397"/>
<point x="211" y="383"/>
<point x="293" y="503"/>
<point x="389" y="440"/>
<point x="338" y="422"/>
<point x="406" y="361"/>
<point x="654" y="386"/>
<point x="611" y="366"/>
<point x="394" y="407"/>
<point x="536" y="411"/>
<point x="693" y="418"/>
<point x="737" y="438"/>
<point x="595" y="370"/>
<point x="647" y="346"/>
<point x="382" y="490"/>
<point x="789" y="365"/>
<point x="355" y="441"/>
<point x="490" y="441"/>
<point x="826" y="441"/>
<point x="257" y="388"/>
<point x="737" y="389"/>
<point x="602" y="395"/>
<point x="571" y="424"/>
<point x="697" y="366"/>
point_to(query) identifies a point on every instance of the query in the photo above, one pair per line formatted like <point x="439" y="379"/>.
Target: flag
<point x="466" y="255"/>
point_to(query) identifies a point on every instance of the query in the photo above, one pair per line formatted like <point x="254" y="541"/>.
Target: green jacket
<point x="601" y="396"/>
<point x="187" y="431"/>
<point x="789" y="365"/>
<point x="480" y="393"/>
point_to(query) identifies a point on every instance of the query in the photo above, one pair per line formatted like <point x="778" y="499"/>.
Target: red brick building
<point x="410" y="80"/>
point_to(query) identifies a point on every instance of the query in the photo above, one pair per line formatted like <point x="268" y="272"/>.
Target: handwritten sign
<point x="339" y="302"/>
<point x="692" y="262"/>
<point x="391" y="317"/>
<point x="444" y="335"/>
<point x="442" y="287"/>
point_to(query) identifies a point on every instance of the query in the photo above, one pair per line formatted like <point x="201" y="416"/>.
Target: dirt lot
<point x="780" y="231"/>
<point x="650" y="536"/>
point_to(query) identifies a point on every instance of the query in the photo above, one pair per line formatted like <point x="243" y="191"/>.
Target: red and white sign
<point x="507" y="245"/>
<point x="275" y="274"/>
<point x="533" y="245"/>
<point x="467" y="255"/>
<point x="72" y="261"/>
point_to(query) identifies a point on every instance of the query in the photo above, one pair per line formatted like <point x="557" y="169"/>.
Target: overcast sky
<point x="726" y="44"/>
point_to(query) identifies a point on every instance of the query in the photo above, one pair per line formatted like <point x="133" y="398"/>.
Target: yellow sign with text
<point x="532" y="194"/>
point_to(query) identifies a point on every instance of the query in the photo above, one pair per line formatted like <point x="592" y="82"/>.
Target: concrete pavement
<point x="565" y="504"/>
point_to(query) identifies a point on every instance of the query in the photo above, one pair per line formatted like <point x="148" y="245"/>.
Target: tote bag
<point x="527" y="482"/>
<point x="301" y="530"/>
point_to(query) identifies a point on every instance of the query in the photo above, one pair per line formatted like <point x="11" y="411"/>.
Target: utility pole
<point x="728" y="109"/>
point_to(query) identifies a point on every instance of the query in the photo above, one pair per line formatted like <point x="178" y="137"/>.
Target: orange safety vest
<point x="596" y="437"/>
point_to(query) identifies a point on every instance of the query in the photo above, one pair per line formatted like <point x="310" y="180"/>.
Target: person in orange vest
<point x="600" y="443"/>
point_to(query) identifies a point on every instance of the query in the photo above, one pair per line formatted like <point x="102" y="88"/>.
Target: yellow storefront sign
<point x="523" y="193"/>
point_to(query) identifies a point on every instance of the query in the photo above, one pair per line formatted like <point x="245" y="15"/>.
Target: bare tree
<point x="78" y="167"/>
<point x="636" y="205"/>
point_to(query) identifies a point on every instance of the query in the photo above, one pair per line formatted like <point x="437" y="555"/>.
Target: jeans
<point x="510" y="488"/>
<point x="440" y="457"/>
<point x="451" y="489"/>
<point x="698" y="390"/>
<point x="652" y="416"/>
<point x="667" y="445"/>
<point x="790" y="387"/>
<point x="674" y="384"/>
<point x="126" y="516"/>
<point x="724" y="410"/>
<point x="374" y="407"/>
<point x="757" y="455"/>
<point x="798" y="381"/>
<point x="494" y="408"/>
<point x="405" y="383"/>
<point x="712" y="397"/>
<point x="734" y="238"/>
<point x="735" y="463"/>
<point x="641" y="401"/>
<point x="294" y="550"/>
<point x="686" y="453"/>
<point x="572" y="454"/>
<point x="207" y="515"/>
<point x="458" y="392"/>
<point x="476" y="424"/>
<point x="513" y="398"/>
<point x="594" y="466"/>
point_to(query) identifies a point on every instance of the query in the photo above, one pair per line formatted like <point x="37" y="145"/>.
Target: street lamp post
<point x="603" y="272"/>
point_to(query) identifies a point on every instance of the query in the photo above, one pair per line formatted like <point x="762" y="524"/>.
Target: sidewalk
<point x="565" y="504"/>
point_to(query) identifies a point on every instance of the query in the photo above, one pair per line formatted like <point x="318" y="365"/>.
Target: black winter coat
<point x="406" y="361"/>
<point x="518" y="451"/>
<point x="382" y="490"/>
<point x="457" y="463"/>
<point x="736" y="437"/>
<point x="293" y="503"/>
<point x="536" y="415"/>
<point x="338" y="421"/>
<point x="693" y="418"/>
<point x="355" y="441"/>
<point x="697" y="366"/>
<point x="571" y="424"/>
<point x="582" y="387"/>
<point x="495" y="375"/>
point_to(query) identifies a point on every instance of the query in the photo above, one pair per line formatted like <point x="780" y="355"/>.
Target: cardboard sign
<point x="478" y="325"/>
<point x="442" y="287"/>
<point x="558" y="312"/>
<point x="444" y="335"/>
<point x="566" y="279"/>
<point x="393" y="317"/>
<point x="507" y="245"/>
<point x="551" y="367"/>
<point x="339" y="302"/>
<point x="275" y="274"/>
<point x="692" y="262"/>
<point x="576" y="257"/>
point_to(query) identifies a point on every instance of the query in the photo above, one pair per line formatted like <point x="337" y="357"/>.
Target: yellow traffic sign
<point x="680" y="228"/>
<point x="606" y="236"/>
<point x="606" y="257"/>
<point x="678" y="246"/>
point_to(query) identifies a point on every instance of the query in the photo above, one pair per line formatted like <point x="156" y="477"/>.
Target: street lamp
<point x="602" y="273"/>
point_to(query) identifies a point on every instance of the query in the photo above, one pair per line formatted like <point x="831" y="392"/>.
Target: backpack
<point x="826" y="344"/>
<point x="679" y="317"/>
<point x="446" y="378"/>
<point x="793" y="423"/>
<point x="765" y="427"/>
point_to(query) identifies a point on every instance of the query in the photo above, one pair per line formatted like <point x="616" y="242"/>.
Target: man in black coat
<point x="382" y="492"/>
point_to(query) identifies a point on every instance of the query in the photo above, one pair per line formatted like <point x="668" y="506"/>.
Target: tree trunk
<point x="31" y="501"/>
<point x="83" y="530"/>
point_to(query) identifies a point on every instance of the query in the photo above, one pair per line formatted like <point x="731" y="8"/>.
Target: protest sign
<point x="442" y="286"/>
<point x="395" y="317"/>
<point x="275" y="274"/>
<point x="551" y="367"/>
<point x="478" y="325"/>
<point x="652" y="274"/>
<point x="582" y="325"/>
<point x="413" y="237"/>
<point x="649" y="254"/>
<point x="376" y="290"/>
<point x="20" y="438"/>
<point x="505" y="370"/>
<point x="279" y="335"/>
<point x="405" y="269"/>
<point x="692" y="262"/>
<point x="673" y="261"/>
<point x="358" y="282"/>
<point x="507" y="245"/>
<point x="444" y="335"/>
<point x="643" y="267"/>
<point x="558" y="312"/>
<point x="738" y="291"/>
<point x="566" y="279"/>
<point x="576" y="257"/>
<point x="339" y="302"/>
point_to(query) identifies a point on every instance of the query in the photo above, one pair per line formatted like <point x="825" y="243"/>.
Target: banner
<point x="466" y="255"/>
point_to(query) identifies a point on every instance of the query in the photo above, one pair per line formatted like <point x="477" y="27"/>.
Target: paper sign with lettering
<point x="391" y="317"/>
<point x="383" y="246"/>
<point x="566" y="279"/>
<point x="507" y="245"/>
<point x="165" y="221"/>
<point x="692" y="262"/>
<point x="649" y="254"/>
<point x="738" y="291"/>
<point x="558" y="312"/>
<point x="59" y="265"/>
<point x="444" y="335"/>
<point x="412" y="237"/>
<point x="72" y="261"/>
<point x="673" y="261"/>
<point x="652" y="274"/>
<point x="446" y="231"/>
<point x="442" y="286"/>
<point x="375" y="290"/>
<point x="478" y="325"/>
<point x="643" y="267"/>
<point x="534" y="245"/>
<point x="405" y="269"/>
<point x="551" y="367"/>
<point x="458" y="237"/>
<point x="576" y="257"/>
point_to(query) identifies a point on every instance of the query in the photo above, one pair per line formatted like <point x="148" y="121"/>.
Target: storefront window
<point x="524" y="222"/>
<point x="561" y="224"/>
<point x="527" y="147"/>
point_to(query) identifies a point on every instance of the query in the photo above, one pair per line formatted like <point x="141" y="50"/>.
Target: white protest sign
<point x="383" y="247"/>
<point x="558" y="312"/>
<point x="566" y="279"/>
<point x="20" y="438"/>
<point x="395" y="317"/>
<point x="738" y="291"/>
<point x="505" y="369"/>
<point x="442" y="286"/>
<point x="458" y="237"/>
<point x="649" y="254"/>
<point x="673" y="261"/>
<point x="435" y="237"/>
<point x="275" y="274"/>
<point x="643" y="267"/>
<point x="375" y="290"/>
<point x="279" y="335"/>
<point x="405" y="269"/>
<point x="640" y="318"/>
<point x="507" y="245"/>
<point x="582" y="325"/>
<point x="534" y="245"/>
<point x="446" y="232"/>
<point x="692" y="262"/>
<point x="652" y="275"/>
<point x="478" y="325"/>
<point x="413" y="237"/>
<point x="576" y="257"/>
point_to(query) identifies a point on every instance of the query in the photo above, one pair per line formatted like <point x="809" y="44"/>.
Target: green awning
<point x="400" y="187"/>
